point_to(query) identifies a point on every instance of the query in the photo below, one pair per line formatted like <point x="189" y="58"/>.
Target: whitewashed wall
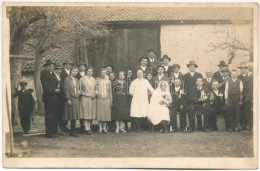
<point x="191" y="42"/>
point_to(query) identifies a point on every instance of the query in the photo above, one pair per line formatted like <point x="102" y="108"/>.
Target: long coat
<point x="63" y="75"/>
<point x="248" y="88"/>
<point x="155" y="80"/>
<point x="190" y="81"/>
<point x="49" y="84"/>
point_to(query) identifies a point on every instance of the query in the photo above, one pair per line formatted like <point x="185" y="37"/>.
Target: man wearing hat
<point x="143" y="66"/>
<point x="218" y="74"/>
<point x="82" y="70"/>
<point x="160" y="77"/>
<point x="165" y="63"/>
<point x="64" y="74"/>
<point x="153" y="61"/>
<point x="26" y="105"/>
<point x="190" y="78"/>
<point x="248" y="97"/>
<point x="243" y="77"/>
<point x="50" y="86"/>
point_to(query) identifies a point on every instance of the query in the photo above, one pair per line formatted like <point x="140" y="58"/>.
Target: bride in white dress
<point x="160" y="100"/>
<point x="139" y="90"/>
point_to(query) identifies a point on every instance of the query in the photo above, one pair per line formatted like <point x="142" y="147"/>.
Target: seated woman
<point x="160" y="101"/>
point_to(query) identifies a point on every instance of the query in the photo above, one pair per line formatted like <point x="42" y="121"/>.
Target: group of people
<point x="153" y="93"/>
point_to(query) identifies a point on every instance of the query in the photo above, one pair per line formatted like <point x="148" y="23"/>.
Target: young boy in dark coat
<point x="26" y="104"/>
<point x="179" y="104"/>
<point x="217" y="104"/>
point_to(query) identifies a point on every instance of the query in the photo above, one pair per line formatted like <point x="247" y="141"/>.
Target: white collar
<point x="177" y="88"/>
<point x="192" y="73"/>
<point x="216" y="92"/>
<point x="68" y="71"/>
<point x="199" y="88"/>
<point x="244" y="75"/>
<point x="234" y="79"/>
<point x="143" y="67"/>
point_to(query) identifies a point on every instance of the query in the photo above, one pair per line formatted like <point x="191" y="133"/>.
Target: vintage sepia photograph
<point x="130" y="85"/>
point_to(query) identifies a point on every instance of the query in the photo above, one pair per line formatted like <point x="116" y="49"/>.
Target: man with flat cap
<point x="64" y="74"/>
<point x="190" y="78"/>
<point x="143" y="61"/>
<point x="50" y="98"/>
<point x="165" y="63"/>
<point x="218" y="74"/>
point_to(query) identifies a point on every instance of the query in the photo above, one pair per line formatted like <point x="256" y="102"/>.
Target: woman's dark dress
<point x="120" y="106"/>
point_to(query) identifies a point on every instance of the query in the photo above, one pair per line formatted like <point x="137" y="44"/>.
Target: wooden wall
<point x="124" y="47"/>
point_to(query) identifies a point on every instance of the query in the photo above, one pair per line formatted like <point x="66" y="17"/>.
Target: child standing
<point x="26" y="104"/>
<point x="233" y="95"/>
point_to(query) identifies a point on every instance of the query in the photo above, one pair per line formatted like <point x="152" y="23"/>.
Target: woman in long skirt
<point x="160" y="101"/>
<point x="139" y="90"/>
<point x="104" y="101"/>
<point x="120" y="107"/>
<point x="87" y="100"/>
<point x="71" y="91"/>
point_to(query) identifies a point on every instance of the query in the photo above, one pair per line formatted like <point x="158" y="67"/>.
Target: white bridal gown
<point x="140" y="104"/>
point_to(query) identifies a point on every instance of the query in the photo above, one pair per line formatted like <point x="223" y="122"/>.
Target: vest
<point x="233" y="87"/>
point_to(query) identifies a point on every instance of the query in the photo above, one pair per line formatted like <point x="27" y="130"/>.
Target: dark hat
<point x="67" y="62"/>
<point x="165" y="57"/>
<point x="243" y="65"/>
<point x="176" y="65"/>
<point x="83" y="63"/>
<point x="143" y="58"/>
<point x="222" y="63"/>
<point x="192" y="63"/>
<point x="58" y="66"/>
<point x="111" y="66"/>
<point x="23" y="82"/>
<point x="48" y="62"/>
<point x="225" y="70"/>
<point x="151" y="51"/>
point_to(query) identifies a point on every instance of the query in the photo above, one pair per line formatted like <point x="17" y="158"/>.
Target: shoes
<point x="117" y="131"/>
<point x="26" y="132"/>
<point x="73" y="135"/>
<point x="64" y="128"/>
<point x="88" y="132"/>
<point x="229" y="129"/>
<point x="236" y="129"/>
<point x="50" y="136"/>
<point x="122" y="130"/>
<point x="206" y="130"/>
<point x="105" y="131"/>
<point x="100" y="131"/>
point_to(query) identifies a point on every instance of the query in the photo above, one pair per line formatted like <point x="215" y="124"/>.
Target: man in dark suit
<point x="248" y="98"/>
<point x="143" y="66"/>
<point x="217" y="104"/>
<point x="243" y="77"/>
<point x="64" y="74"/>
<point x="208" y="80"/>
<point x="153" y="61"/>
<point x="190" y="78"/>
<point x="50" y="98"/>
<point x="179" y="104"/>
<point x="198" y="102"/>
<point x="160" y="77"/>
<point x="218" y="74"/>
<point x="167" y="68"/>
<point x="222" y="80"/>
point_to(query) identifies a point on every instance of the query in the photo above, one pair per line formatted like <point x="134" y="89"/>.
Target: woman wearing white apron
<point x="140" y="105"/>
<point x="160" y="100"/>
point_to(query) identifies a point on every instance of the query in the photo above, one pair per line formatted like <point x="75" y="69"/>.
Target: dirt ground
<point x="133" y="144"/>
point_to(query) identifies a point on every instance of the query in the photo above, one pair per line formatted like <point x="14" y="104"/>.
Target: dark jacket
<point x="78" y="76"/>
<point x="190" y="81"/>
<point x="49" y="86"/>
<point x="248" y="88"/>
<point x="217" y="101"/>
<point x="178" y="99"/>
<point x="207" y="84"/>
<point x="153" y="66"/>
<point x="169" y="71"/>
<point x="217" y="76"/>
<point x="155" y="81"/>
<point x="195" y="95"/>
<point x="242" y="78"/>
<point x="63" y="76"/>
<point x="25" y="100"/>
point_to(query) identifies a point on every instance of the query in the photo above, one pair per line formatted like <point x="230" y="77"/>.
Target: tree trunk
<point x="37" y="84"/>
